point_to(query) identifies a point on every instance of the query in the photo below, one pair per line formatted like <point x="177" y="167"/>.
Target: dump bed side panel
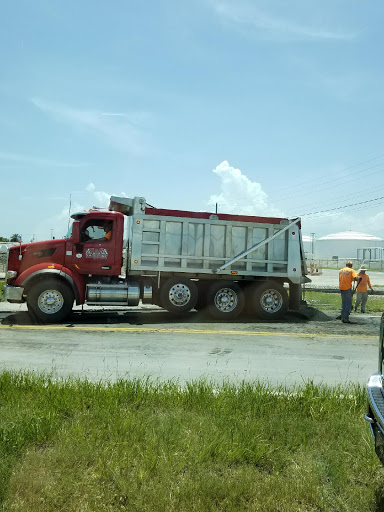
<point x="200" y="246"/>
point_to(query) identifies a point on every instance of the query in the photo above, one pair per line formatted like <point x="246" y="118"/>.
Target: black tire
<point x="178" y="295"/>
<point x="50" y="300"/>
<point x="225" y="300"/>
<point x="269" y="300"/>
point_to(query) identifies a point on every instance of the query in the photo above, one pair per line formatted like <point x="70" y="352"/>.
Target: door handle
<point x="106" y="268"/>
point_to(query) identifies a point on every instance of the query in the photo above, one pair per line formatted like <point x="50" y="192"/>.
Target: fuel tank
<point x="126" y="294"/>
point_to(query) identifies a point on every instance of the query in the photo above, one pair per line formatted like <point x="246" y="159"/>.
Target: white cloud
<point x="81" y="201"/>
<point x="246" y="15"/>
<point x="113" y="114"/>
<point x="240" y="195"/>
<point x="115" y="129"/>
<point x="32" y="160"/>
<point x="102" y="198"/>
<point x="361" y="221"/>
<point x="56" y="223"/>
<point x="376" y="220"/>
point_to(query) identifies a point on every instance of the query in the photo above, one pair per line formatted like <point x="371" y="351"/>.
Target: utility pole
<point x="51" y="233"/>
<point x="313" y="244"/>
<point x="69" y="211"/>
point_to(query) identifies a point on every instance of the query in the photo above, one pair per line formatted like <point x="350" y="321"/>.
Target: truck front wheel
<point x="225" y="300"/>
<point x="178" y="295"/>
<point x="50" y="300"/>
<point x="270" y="300"/>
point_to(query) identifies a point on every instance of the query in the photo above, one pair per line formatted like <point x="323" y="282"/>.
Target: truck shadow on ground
<point x="158" y="316"/>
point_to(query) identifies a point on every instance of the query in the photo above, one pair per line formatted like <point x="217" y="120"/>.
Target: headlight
<point x="11" y="274"/>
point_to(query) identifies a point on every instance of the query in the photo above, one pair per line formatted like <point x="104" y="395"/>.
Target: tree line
<point x="13" y="238"/>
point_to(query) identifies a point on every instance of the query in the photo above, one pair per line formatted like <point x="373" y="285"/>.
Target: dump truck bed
<point x="201" y="243"/>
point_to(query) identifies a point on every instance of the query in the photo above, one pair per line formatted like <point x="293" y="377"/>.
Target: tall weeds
<point x="140" y="445"/>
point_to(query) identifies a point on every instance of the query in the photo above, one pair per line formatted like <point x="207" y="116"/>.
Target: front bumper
<point x="375" y="414"/>
<point x="13" y="293"/>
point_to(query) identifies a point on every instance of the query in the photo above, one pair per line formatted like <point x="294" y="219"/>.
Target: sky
<point x="263" y="107"/>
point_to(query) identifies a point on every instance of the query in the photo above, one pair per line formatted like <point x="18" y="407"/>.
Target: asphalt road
<point x="101" y="344"/>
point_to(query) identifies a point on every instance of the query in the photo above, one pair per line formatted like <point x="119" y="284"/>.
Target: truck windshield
<point x="69" y="233"/>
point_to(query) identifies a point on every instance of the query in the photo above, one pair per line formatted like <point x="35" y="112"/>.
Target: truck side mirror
<point x="76" y="232"/>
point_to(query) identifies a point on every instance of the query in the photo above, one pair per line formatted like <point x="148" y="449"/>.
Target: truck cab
<point x="51" y="275"/>
<point x="89" y="250"/>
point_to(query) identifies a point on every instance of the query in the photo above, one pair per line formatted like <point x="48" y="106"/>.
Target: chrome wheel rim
<point x="179" y="295"/>
<point x="50" y="301"/>
<point x="271" y="301"/>
<point x="225" y="300"/>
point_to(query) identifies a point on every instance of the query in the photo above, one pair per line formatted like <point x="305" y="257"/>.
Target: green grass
<point x="137" y="446"/>
<point x="332" y="301"/>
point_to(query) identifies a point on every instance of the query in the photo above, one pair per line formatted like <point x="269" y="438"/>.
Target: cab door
<point x="94" y="254"/>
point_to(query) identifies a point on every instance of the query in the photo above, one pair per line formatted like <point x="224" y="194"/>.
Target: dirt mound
<point x="315" y="314"/>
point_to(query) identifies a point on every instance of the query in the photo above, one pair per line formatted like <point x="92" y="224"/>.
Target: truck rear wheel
<point x="269" y="300"/>
<point x="50" y="300"/>
<point x="225" y="300"/>
<point x="178" y="295"/>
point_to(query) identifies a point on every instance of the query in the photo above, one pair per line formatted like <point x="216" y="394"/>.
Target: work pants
<point x="361" y="298"/>
<point x="346" y="303"/>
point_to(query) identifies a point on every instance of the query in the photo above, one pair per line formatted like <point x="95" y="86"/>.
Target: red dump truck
<point x="179" y="260"/>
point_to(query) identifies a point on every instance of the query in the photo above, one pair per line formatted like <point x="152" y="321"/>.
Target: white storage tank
<point x="345" y="245"/>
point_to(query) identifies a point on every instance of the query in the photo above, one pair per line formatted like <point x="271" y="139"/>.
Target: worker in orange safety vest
<point x="362" y="289"/>
<point x="346" y="277"/>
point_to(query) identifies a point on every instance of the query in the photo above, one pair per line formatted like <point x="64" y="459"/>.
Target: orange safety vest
<point x="346" y="277"/>
<point x="362" y="287"/>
